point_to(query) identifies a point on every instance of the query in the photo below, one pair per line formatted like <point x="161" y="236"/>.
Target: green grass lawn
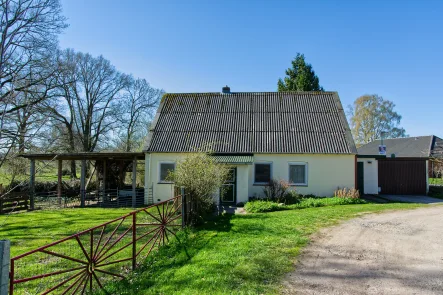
<point x="240" y="254"/>
<point x="232" y="254"/>
<point x="29" y="230"/>
<point x="5" y="178"/>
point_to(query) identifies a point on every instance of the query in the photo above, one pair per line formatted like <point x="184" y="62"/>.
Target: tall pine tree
<point x="301" y="77"/>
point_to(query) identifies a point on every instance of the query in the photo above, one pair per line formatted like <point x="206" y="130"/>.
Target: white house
<point x="301" y="137"/>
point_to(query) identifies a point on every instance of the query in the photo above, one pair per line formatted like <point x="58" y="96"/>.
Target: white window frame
<point x="271" y="171"/>
<point x="159" y="171"/>
<point x="306" y="172"/>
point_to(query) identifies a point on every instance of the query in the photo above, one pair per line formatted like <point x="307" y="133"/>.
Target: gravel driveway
<point x="398" y="252"/>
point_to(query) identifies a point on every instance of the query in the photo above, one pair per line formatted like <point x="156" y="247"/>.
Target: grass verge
<point x="29" y="230"/>
<point x="237" y="254"/>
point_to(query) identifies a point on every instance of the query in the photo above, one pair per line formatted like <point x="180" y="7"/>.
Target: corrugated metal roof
<point x="234" y="159"/>
<point x="249" y="122"/>
<point x="407" y="147"/>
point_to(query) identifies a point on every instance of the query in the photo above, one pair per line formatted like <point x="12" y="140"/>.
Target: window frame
<point x="160" y="172"/>
<point x="271" y="171"/>
<point x="306" y="173"/>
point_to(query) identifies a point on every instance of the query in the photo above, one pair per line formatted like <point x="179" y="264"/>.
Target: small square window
<point x="298" y="173"/>
<point x="165" y="169"/>
<point x="262" y="173"/>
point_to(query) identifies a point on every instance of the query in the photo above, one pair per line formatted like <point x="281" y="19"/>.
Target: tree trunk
<point x="72" y="149"/>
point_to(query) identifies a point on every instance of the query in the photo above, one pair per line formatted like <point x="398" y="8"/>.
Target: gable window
<point x="164" y="170"/>
<point x="262" y="173"/>
<point x="298" y="173"/>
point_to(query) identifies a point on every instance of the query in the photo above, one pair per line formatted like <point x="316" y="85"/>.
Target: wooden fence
<point x="14" y="202"/>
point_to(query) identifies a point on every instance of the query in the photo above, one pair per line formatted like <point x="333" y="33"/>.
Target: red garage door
<point x="402" y="177"/>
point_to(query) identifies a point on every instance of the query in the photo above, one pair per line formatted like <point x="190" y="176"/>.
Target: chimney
<point x="226" y="89"/>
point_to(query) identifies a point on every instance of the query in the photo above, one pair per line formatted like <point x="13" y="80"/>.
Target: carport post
<point x="59" y="182"/>
<point x="82" y="184"/>
<point x="32" y="184"/>
<point x="134" y="182"/>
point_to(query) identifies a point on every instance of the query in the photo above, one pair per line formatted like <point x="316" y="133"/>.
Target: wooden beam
<point x="59" y="182"/>
<point x="82" y="184"/>
<point x="32" y="184"/>
<point x="104" y="180"/>
<point x="134" y="182"/>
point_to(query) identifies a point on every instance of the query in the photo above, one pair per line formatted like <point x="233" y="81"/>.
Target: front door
<point x="360" y="178"/>
<point x="228" y="189"/>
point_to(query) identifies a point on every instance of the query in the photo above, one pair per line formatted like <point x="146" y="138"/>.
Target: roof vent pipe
<point x="226" y="89"/>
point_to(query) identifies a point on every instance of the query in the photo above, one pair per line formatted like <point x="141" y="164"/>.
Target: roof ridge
<point x="252" y="92"/>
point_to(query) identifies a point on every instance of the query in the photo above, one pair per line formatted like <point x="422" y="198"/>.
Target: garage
<point x="401" y="169"/>
<point x="405" y="176"/>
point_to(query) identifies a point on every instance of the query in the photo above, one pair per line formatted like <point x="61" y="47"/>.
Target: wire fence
<point x="113" y="198"/>
<point x="89" y="260"/>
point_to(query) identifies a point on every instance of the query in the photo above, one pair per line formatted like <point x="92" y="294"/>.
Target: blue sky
<point x="391" y="48"/>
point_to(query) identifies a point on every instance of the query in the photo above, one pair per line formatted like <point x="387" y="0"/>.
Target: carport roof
<point x="86" y="156"/>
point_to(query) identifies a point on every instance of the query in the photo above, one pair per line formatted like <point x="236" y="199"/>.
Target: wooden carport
<point x="103" y="158"/>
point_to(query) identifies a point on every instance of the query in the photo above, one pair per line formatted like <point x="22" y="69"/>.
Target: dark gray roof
<point x="408" y="147"/>
<point x="251" y="122"/>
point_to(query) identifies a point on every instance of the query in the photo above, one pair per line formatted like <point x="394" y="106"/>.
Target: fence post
<point x="134" y="241"/>
<point x="4" y="267"/>
<point x="182" y="193"/>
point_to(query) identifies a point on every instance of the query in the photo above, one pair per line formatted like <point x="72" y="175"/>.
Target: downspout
<point x="355" y="174"/>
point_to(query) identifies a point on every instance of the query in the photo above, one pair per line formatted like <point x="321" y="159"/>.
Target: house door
<point x="360" y="178"/>
<point x="228" y="189"/>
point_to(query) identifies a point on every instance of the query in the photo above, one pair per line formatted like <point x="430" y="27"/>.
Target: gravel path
<point x="398" y="252"/>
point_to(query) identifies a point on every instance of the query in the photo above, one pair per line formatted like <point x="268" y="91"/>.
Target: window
<point x="262" y="174"/>
<point x="164" y="170"/>
<point x="298" y="173"/>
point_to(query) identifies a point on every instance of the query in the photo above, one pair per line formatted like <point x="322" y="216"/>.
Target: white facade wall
<point x="325" y="174"/>
<point x="370" y="175"/>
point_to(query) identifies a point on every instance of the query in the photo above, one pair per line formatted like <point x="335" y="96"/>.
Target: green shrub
<point x="291" y="197"/>
<point x="321" y="202"/>
<point x="261" y="206"/>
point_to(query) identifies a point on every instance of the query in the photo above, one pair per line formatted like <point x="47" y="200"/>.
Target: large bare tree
<point x="90" y="94"/>
<point x="29" y="30"/>
<point x="137" y="107"/>
<point x="28" y="38"/>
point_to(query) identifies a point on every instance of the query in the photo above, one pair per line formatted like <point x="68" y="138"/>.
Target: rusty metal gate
<point x="402" y="176"/>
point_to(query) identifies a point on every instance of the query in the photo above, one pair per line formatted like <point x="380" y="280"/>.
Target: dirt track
<point x="398" y="252"/>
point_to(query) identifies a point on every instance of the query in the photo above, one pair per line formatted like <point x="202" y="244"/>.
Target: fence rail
<point x="14" y="202"/>
<point x="90" y="259"/>
<point x="112" y="198"/>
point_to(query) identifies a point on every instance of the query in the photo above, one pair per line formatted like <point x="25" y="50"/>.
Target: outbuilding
<point x="404" y="170"/>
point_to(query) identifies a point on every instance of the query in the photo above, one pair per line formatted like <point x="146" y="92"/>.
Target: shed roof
<point x="251" y="122"/>
<point x="407" y="147"/>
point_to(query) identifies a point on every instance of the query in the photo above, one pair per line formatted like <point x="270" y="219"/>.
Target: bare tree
<point x="28" y="38"/>
<point x="137" y="108"/>
<point x="29" y="30"/>
<point x="90" y="93"/>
